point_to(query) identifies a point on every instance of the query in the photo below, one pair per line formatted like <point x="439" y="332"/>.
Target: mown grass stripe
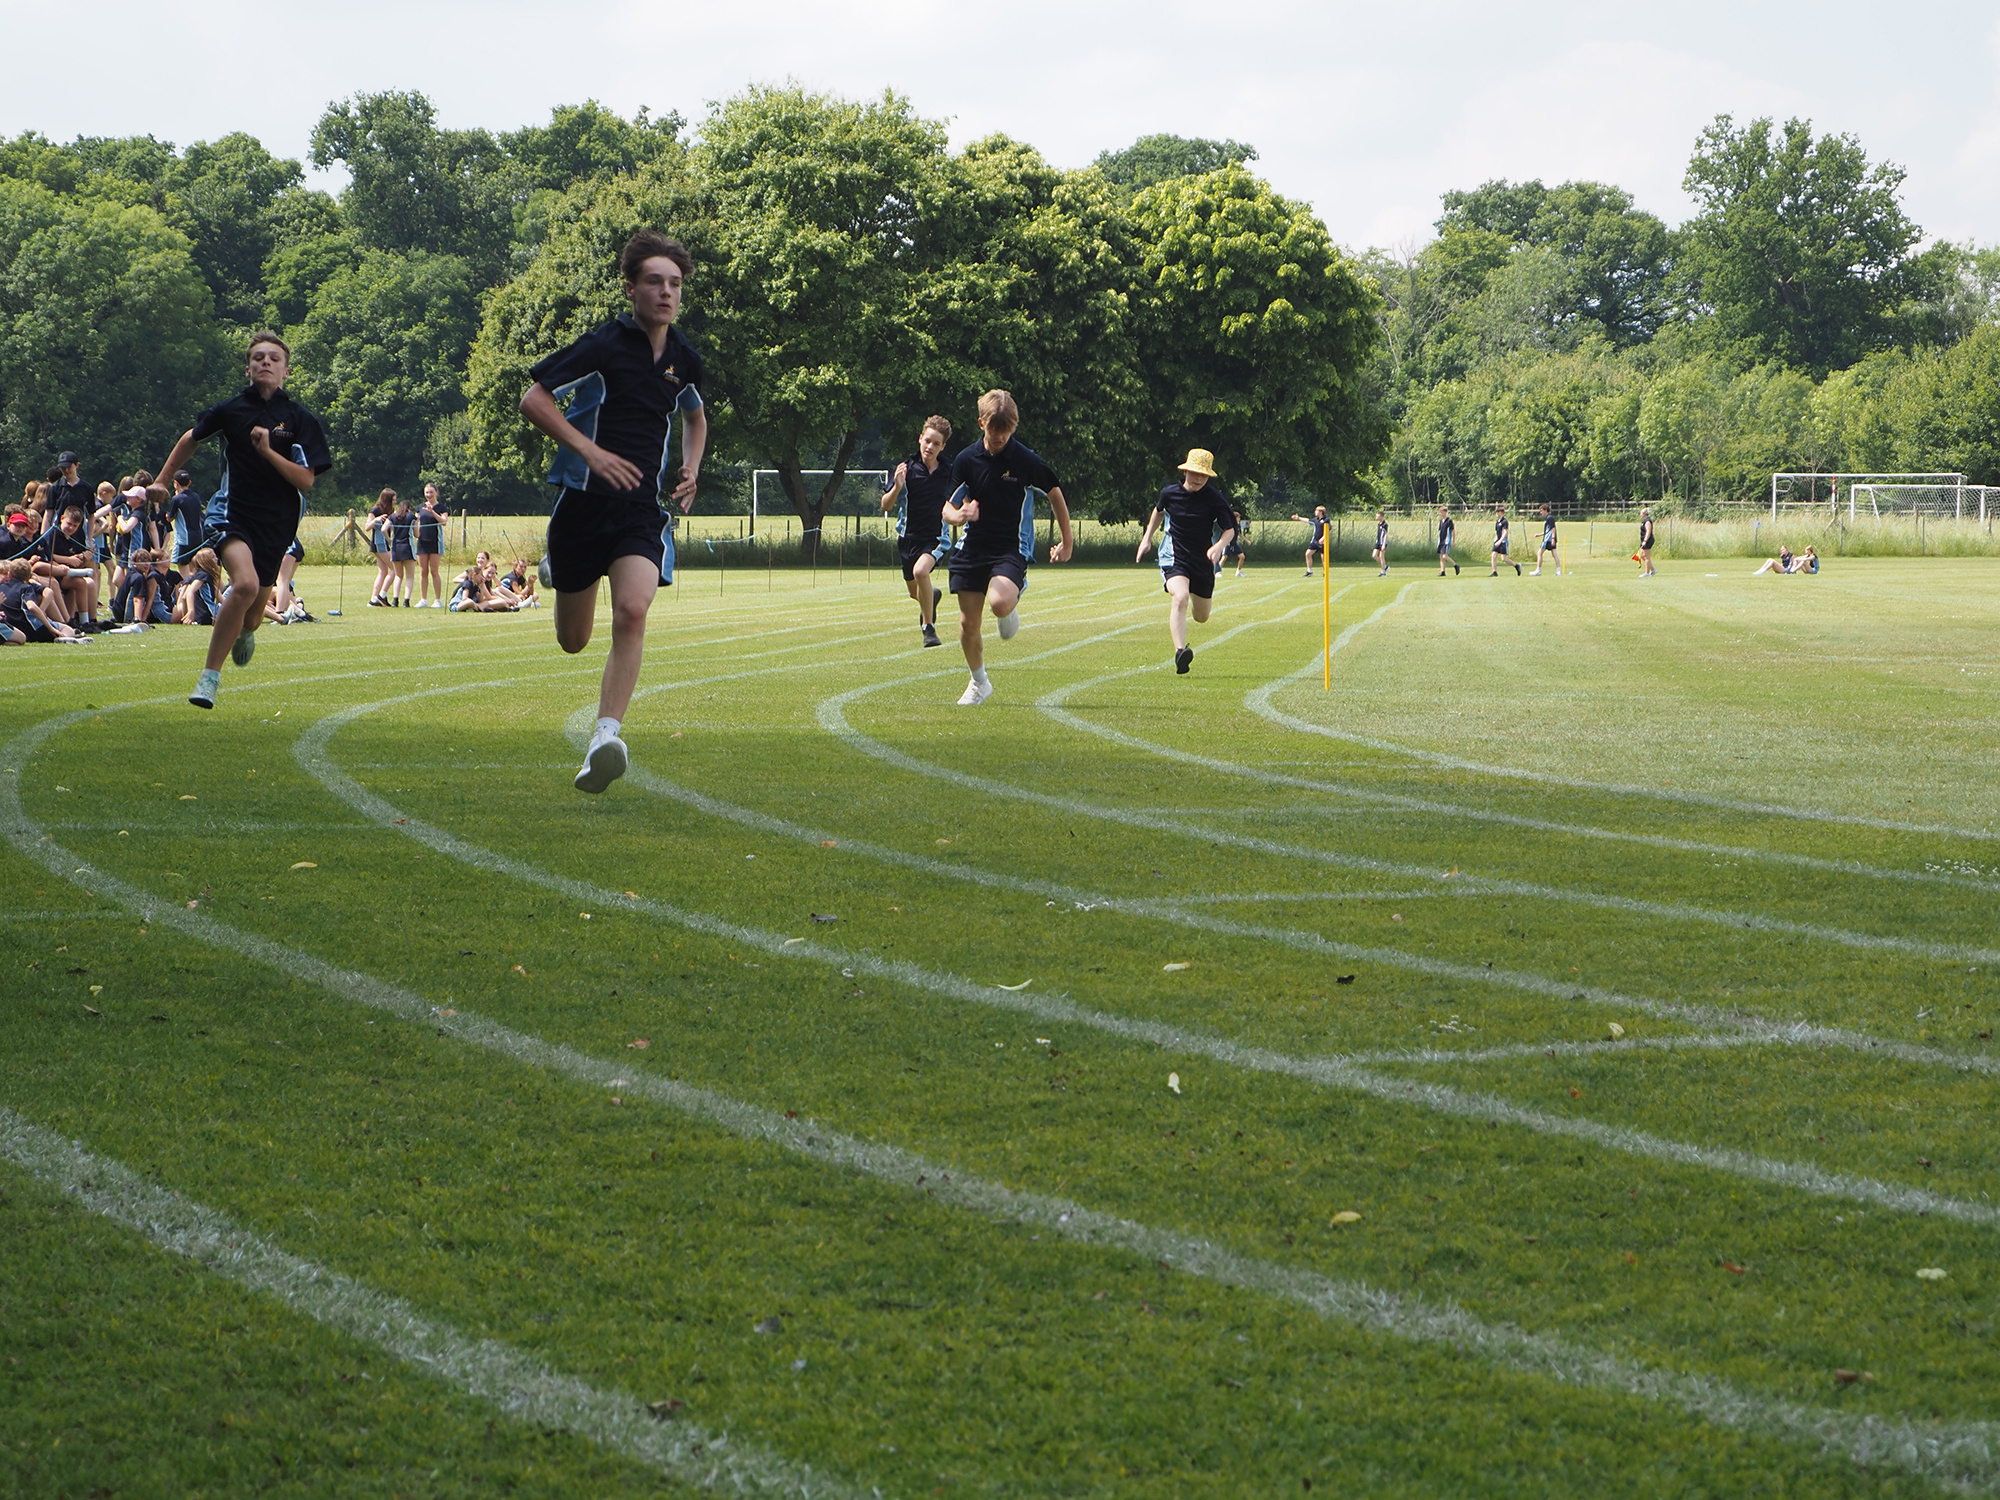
<point x="521" y="1386"/>
<point x="1959" y="1453"/>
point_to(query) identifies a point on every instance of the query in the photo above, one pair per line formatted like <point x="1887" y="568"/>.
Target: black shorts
<point x="1549" y="541"/>
<point x="1500" y="548"/>
<point x="1234" y="549"/>
<point x="1200" y="576"/>
<point x="969" y="576"/>
<point x="267" y="537"/>
<point x="910" y="550"/>
<point x="588" y="533"/>
<point x="1444" y="546"/>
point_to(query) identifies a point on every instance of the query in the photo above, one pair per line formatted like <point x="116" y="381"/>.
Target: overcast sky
<point x="1368" y="112"/>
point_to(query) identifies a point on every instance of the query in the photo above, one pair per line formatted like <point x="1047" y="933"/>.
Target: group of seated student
<point x="484" y="589"/>
<point x="1785" y="562"/>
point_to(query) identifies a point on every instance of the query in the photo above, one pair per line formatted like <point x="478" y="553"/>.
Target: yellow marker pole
<point x="1326" y="611"/>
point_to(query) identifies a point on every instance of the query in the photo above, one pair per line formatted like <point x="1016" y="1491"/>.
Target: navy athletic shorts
<point x="910" y="551"/>
<point x="588" y="533"/>
<point x="1200" y="576"/>
<point x="267" y="536"/>
<point x="970" y="577"/>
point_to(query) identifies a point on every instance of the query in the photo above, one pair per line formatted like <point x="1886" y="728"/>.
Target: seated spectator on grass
<point x="200" y="589"/>
<point x="519" y="585"/>
<point x="22" y="614"/>
<point x="147" y="595"/>
<point x="1787" y="562"/>
<point x="68" y="548"/>
<point x="473" y="592"/>
<point x="1809" y="563"/>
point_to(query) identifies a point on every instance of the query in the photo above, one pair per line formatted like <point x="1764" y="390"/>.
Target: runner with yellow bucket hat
<point x="1198" y="529"/>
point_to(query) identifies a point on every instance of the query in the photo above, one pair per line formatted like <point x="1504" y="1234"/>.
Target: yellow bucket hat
<point x="1199" y="461"/>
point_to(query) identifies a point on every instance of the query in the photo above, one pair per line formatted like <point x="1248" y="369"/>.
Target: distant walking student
<point x="1500" y="543"/>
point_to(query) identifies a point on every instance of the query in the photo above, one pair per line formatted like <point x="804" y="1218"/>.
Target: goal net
<point x="1947" y="502"/>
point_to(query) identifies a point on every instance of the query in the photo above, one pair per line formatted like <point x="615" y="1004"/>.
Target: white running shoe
<point x="1537" y="573"/>
<point x="205" y="688"/>
<point x="974" y="695"/>
<point x="542" y="572"/>
<point x="604" y="764"/>
<point x="1010" y="624"/>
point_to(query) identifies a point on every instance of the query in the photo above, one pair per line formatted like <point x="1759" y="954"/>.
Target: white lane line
<point x="520" y="1385"/>
<point x="1327" y="1072"/>
<point x="1258" y="701"/>
<point x="1052" y="704"/>
<point x="833" y="718"/>
<point x="1511" y="1050"/>
<point x="1961" y="1453"/>
<point x="1230" y="898"/>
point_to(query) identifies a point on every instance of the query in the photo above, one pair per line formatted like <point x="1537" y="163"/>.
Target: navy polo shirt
<point x="250" y="486"/>
<point x="186" y="508"/>
<point x="925" y="494"/>
<point x="1192" y="517"/>
<point x="1000" y="483"/>
<point x="622" y="399"/>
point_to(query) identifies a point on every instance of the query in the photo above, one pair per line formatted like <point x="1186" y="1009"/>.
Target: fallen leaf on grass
<point x="400" y="822"/>
<point x="1931" y="1273"/>
<point x="789" y="941"/>
<point x="92" y="1011"/>
<point x="1174" y="1082"/>
<point x="1631" y="1257"/>
<point x="947" y="841"/>
<point x="1395" y="916"/>
<point x="1174" y="968"/>
<point x="1575" y="1092"/>
<point x="193" y="904"/>
<point x="664" y="1409"/>
<point x="1614" y="1029"/>
<point x="818" y="918"/>
<point x="1347" y="1216"/>
<point x="1924" y="1161"/>
<point x="584" y="915"/>
<point x="677" y="734"/>
<point x="1733" y="1269"/>
<point x="305" y="864"/>
<point x="189" y="797"/>
<point x="1021" y="986"/>
<point x="1848" y="1377"/>
<point x="828" y="843"/>
<point x="640" y="1042"/>
<point x="1343" y="979"/>
<point x="633" y="894"/>
<point x="521" y="971"/>
<point x="124" y="833"/>
<point x="81" y="969"/>
<point x="771" y="1325"/>
<point x="97" y="989"/>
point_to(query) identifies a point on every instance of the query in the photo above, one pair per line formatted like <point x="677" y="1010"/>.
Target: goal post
<point x="1958" y="501"/>
<point x="1800" y="489"/>
<point x="757" y="477"/>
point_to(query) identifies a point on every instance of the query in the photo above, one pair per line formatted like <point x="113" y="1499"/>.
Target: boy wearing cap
<point x="628" y="377"/>
<point x="1194" y="510"/>
<point x="67" y="488"/>
<point x="273" y="451"/>
<point x="989" y="568"/>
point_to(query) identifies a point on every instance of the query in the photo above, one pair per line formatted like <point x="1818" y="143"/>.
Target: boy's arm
<point x="1152" y="520"/>
<point x="896" y="488"/>
<point x="540" y="408"/>
<point x="961" y="509"/>
<point x="694" y="443"/>
<point x="1061" y="550"/>
<point x="298" y="476"/>
<point x="178" y="459"/>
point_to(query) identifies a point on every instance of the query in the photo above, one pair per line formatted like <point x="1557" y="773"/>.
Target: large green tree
<point x="108" y="335"/>
<point x="1801" y="251"/>
<point x="1156" y="158"/>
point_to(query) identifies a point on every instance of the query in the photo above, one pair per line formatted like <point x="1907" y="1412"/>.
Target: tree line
<point x="854" y="274"/>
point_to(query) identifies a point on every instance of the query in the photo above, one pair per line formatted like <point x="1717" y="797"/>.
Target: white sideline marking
<point x="1958" y="1453"/>
<point x="1328" y="1072"/>
<point x="1052" y="703"/>
<point x="833" y="718"/>
<point x="521" y="1386"/>
<point x="1700" y="1041"/>
<point x="1228" y="898"/>
<point x="1258" y="701"/>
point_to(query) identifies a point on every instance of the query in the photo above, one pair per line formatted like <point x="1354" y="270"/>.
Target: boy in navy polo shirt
<point x="273" y="450"/>
<point x="923" y="484"/>
<point x="626" y="379"/>
<point x="1500" y="543"/>
<point x="1446" y="526"/>
<point x="1548" y="543"/>
<point x="1195" y="511"/>
<point x="989" y="569"/>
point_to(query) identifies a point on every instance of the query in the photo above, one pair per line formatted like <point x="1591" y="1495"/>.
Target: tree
<point x="1256" y="334"/>
<point x="416" y="188"/>
<point x="1157" y="158"/>
<point x="223" y="196"/>
<point x="1801" y="250"/>
<point x="108" y="338"/>
<point x="379" y="359"/>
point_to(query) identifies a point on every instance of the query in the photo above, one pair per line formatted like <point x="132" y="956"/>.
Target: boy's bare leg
<point x="970" y="608"/>
<point x="634" y="582"/>
<point x="242" y="606"/>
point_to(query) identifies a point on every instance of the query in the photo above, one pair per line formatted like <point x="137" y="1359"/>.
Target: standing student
<point x="430" y="550"/>
<point x="1316" y="543"/>
<point x="378" y="545"/>
<point x="922" y="485"/>
<point x="402" y="551"/>
<point x="1446" y="527"/>
<point x="185" y="513"/>
<point x="1194" y="510"/>
<point x="1500" y="543"/>
<point x="1548" y="548"/>
<point x="629" y="377"/>
<point x="273" y="451"/>
<point x="989" y="568"/>
<point x="66" y="487"/>
<point x="1239" y="547"/>
<point x="1381" y="552"/>
<point x="1646" y="568"/>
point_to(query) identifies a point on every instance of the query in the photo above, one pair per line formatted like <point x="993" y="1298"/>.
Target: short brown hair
<point x="18" y="568"/>
<point x="267" y="336"/>
<point x="157" y="493"/>
<point x="942" y="425"/>
<point x="997" y="409"/>
<point x="647" y="244"/>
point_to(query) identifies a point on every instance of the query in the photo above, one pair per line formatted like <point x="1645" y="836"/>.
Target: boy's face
<point x="930" y="444"/>
<point x="656" y="295"/>
<point x="267" y="367"/>
<point x="993" y="434"/>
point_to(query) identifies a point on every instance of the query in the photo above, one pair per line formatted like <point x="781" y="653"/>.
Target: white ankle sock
<point x="979" y="675"/>
<point x="607" y="729"/>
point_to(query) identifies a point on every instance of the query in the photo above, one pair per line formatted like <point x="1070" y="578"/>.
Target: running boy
<point x="629" y="376"/>
<point x="1195" y="511"/>
<point x="1316" y="544"/>
<point x="1548" y="543"/>
<point x="923" y="484"/>
<point x="1446" y="526"/>
<point x="1381" y="552"/>
<point x="989" y="569"/>
<point x="273" y="450"/>
<point x="1500" y="543"/>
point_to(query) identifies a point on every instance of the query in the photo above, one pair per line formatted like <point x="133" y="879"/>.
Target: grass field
<point x="873" y="1096"/>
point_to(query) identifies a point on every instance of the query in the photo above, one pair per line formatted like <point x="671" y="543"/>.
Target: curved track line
<point x="1960" y="1453"/>
<point x="1330" y="1072"/>
<point x="521" y="1386"/>
<point x="1258" y="701"/>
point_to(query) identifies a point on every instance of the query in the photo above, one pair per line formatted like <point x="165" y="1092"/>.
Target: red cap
<point x="19" y="515"/>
